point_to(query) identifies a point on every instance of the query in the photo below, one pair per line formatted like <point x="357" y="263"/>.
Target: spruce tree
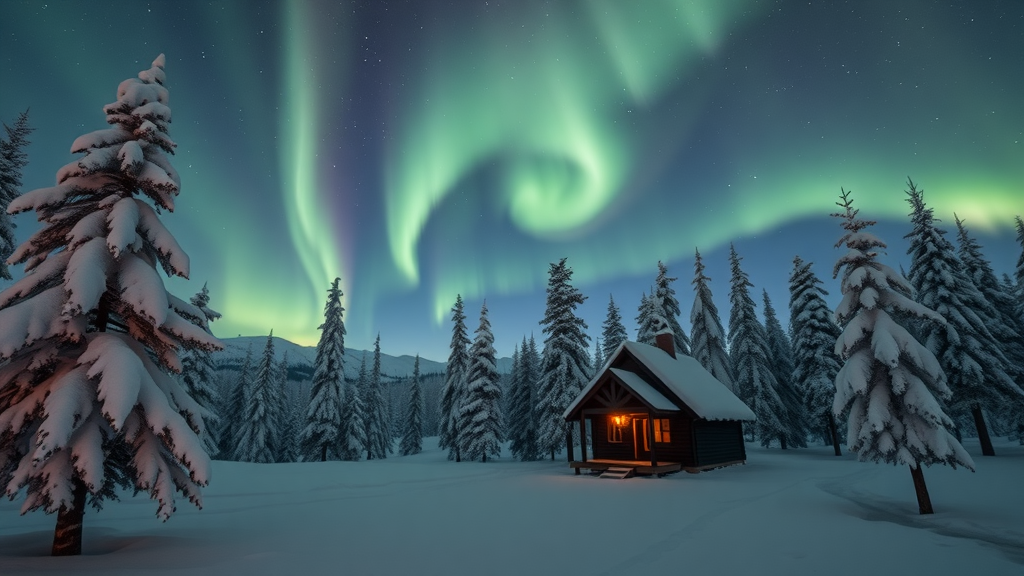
<point x="814" y="340"/>
<point x="1019" y="271"/>
<point x="90" y="337"/>
<point x="353" y="429"/>
<point x="598" y="357"/>
<point x="454" y="384"/>
<point x="1005" y="326"/>
<point x="522" y="419"/>
<point x="198" y="373"/>
<point x="613" y="332"/>
<point x="375" y="410"/>
<point x="233" y="412"/>
<point x="968" y="353"/>
<point x="13" y="160"/>
<point x="748" y="347"/>
<point x="780" y="358"/>
<point x="287" y="429"/>
<point x="666" y="295"/>
<point x="565" y="362"/>
<point x="321" y="440"/>
<point x="707" y="337"/>
<point x="257" y="432"/>
<point x="412" y="431"/>
<point x="645" y="319"/>
<point x="483" y="428"/>
<point x="889" y="381"/>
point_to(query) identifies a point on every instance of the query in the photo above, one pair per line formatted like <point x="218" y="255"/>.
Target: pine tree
<point x="645" y="315"/>
<point x="707" y="337"/>
<point x="483" y="429"/>
<point x="198" y="373"/>
<point x="353" y="428"/>
<point x="598" y="357"/>
<point x="748" y="346"/>
<point x="234" y="411"/>
<point x="455" y="373"/>
<point x="780" y="358"/>
<point x="375" y="411"/>
<point x="258" y="433"/>
<point x="966" y="349"/>
<point x="814" y="340"/>
<point x="1019" y="272"/>
<point x="1006" y="328"/>
<point x="89" y="337"/>
<point x="412" y="432"/>
<point x="889" y="381"/>
<point x="522" y="418"/>
<point x="565" y="362"/>
<point x="613" y="332"/>
<point x="670" y="311"/>
<point x="13" y="160"/>
<point x="287" y="434"/>
<point x="321" y="439"/>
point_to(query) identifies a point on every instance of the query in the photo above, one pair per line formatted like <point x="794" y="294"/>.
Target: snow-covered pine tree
<point x="233" y="412"/>
<point x="1006" y="327"/>
<point x="748" y="351"/>
<point x="257" y="432"/>
<point x="1019" y="270"/>
<point x="780" y="358"/>
<point x="13" y="159"/>
<point x="645" y="315"/>
<point x="613" y="332"/>
<point x="666" y="294"/>
<point x="375" y="410"/>
<point x="598" y="357"/>
<point x="454" y="384"/>
<point x="565" y="362"/>
<point x="482" y="425"/>
<point x="89" y="337"/>
<point x="323" y="423"/>
<point x="889" y="381"/>
<point x="198" y="373"/>
<point x="707" y="337"/>
<point x="814" y="336"/>
<point x="412" y="431"/>
<point x="522" y="419"/>
<point x="968" y="353"/>
<point x="353" y="429"/>
<point x="287" y="428"/>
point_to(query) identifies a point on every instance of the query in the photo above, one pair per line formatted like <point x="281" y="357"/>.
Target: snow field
<point x="795" y="512"/>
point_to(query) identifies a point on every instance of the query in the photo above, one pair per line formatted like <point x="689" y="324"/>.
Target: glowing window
<point x="661" y="431"/>
<point x="614" y="429"/>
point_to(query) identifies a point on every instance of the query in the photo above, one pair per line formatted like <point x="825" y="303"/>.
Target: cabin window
<point x="662" y="432"/>
<point x="615" y="429"/>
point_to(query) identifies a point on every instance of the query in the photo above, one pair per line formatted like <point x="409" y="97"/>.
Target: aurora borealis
<point x="423" y="149"/>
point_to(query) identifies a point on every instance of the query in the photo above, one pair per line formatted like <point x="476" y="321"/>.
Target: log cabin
<point x="651" y="412"/>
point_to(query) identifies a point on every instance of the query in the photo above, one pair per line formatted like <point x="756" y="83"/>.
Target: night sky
<point x="423" y="149"/>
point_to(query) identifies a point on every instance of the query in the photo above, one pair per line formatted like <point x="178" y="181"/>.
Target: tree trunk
<point x="983" y="437"/>
<point x="782" y="440"/>
<point x="67" y="536"/>
<point x="323" y="453"/>
<point x="924" y="502"/>
<point x="552" y="454"/>
<point x="834" y="433"/>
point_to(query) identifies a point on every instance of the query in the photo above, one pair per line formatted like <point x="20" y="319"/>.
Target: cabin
<point x="651" y="412"/>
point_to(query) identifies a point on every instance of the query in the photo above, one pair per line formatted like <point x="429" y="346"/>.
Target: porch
<point x="641" y="467"/>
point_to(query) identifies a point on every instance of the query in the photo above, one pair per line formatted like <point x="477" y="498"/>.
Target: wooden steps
<point x="616" y="473"/>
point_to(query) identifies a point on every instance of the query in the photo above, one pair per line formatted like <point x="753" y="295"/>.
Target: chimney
<point x="666" y="342"/>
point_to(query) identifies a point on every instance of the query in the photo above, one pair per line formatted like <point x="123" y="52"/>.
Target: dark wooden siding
<point x="681" y="447"/>
<point x="718" y="442"/>
<point x="679" y="450"/>
<point x="606" y="450"/>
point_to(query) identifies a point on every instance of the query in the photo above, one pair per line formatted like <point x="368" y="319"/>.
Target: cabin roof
<point x="683" y="376"/>
<point x="645" y="391"/>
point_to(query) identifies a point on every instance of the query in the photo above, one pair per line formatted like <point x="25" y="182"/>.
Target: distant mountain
<point x="301" y="358"/>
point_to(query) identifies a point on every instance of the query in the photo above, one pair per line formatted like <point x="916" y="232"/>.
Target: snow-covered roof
<point x="645" y="391"/>
<point x="683" y="376"/>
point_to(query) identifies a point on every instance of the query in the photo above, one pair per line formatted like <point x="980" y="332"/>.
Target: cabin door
<point x="641" y="448"/>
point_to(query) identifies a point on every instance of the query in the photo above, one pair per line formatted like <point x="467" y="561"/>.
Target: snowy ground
<point x="793" y="512"/>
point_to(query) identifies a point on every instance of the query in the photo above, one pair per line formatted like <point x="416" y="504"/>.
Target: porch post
<point x="568" y="441"/>
<point x="583" y="437"/>
<point x="650" y="436"/>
